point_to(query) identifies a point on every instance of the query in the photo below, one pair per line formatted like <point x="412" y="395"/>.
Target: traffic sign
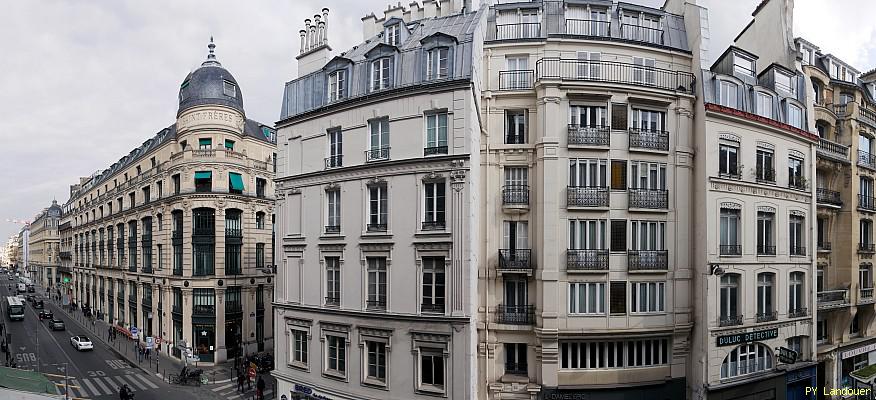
<point x="150" y="342"/>
<point x="133" y="331"/>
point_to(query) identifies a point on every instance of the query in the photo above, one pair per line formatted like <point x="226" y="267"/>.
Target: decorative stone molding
<point x="766" y="209"/>
<point x="375" y="247"/>
<point x="335" y="327"/>
<point x="770" y="192"/>
<point x="376" y="181"/>
<point x="332" y="187"/>
<point x="332" y="247"/>
<point x="766" y="145"/>
<point x="729" y="136"/>
<point x="796" y="153"/>
<point x="432" y="246"/>
<point x="731" y="205"/>
<point x="431" y="337"/>
<point x="299" y="322"/>
<point x="433" y="177"/>
<point x="375" y="332"/>
<point x="797" y="213"/>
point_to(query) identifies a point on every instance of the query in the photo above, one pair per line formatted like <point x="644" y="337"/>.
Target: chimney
<point x="314" y="51"/>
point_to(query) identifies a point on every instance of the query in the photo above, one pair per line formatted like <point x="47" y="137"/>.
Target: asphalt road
<point x="93" y="374"/>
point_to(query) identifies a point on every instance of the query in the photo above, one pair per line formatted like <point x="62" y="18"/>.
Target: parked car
<point x="81" y="343"/>
<point x="57" y="325"/>
<point x="264" y="361"/>
<point x="46" y="314"/>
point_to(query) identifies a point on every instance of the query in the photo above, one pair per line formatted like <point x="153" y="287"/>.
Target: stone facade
<point x="45" y="245"/>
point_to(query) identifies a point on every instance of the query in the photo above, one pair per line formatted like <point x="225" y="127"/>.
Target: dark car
<point x="46" y="314"/>
<point x="57" y="325"/>
<point x="264" y="361"/>
<point x="31" y="289"/>
<point x="38" y="304"/>
<point x="30" y="298"/>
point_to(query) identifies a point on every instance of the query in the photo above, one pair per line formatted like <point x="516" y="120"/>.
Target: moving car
<point x="38" y="304"/>
<point x="81" y="343"/>
<point x="57" y="325"/>
<point x="30" y="298"/>
<point x="46" y="314"/>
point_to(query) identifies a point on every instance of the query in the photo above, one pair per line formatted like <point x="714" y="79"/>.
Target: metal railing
<point x="797" y="182"/>
<point x="515" y="195"/>
<point x="649" y="140"/>
<point x="203" y="310"/>
<point x="833" y="296"/>
<point x="866" y="248"/>
<point x="866" y="160"/>
<point x="823" y="246"/>
<point x="833" y="149"/>
<point x="765" y="175"/>
<point x="376" y="227"/>
<point x="587" y="27"/>
<point x="648" y="260"/>
<point x="730" y="249"/>
<point x="642" y="34"/>
<point x="766" y="250"/>
<point x="519" y="30"/>
<point x="332" y="229"/>
<point x="588" y="135"/>
<point x="512" y="368"/>
<point x="378" y="154"/>
<point x="332" y="300"/>
<point x="614" y="72"/>
<point x="866" y="292"/>
<point x="738" y="368"/>
<point x="432" y="308"/>
<point x="434" y="225"/>
<point x="515" y="315"/>
<point x="375" y="304"/>
<point x="586" y="260"/>
<point x="826" y="196"/>
<point x="867" y="202"/>
<point x="430" y="151"/>
<point x="768" y="316"/>
<point x="797" y="250"/>
<point x="516" y="80"/>
<point x="798" y="312"/>
<point x="648" y="198"/>
<point x="334" y="161"/>
<point x="578" y="196"/>
<point x="515" y="259"/>
<point x="867" y="116"/>
<point x="839" y="110"/>
<point x="730" y="320"/>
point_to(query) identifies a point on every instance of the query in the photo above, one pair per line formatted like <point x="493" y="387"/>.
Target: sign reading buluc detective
<point x="747" y="337"/>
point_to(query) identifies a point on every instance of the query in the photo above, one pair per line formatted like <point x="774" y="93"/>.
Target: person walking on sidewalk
<point x="260" y="389"/>
<point x="240" y="382"/>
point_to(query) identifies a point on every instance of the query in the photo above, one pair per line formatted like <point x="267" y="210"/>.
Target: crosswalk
<point x="229" y="391"/>
<point x="86" y="388"/>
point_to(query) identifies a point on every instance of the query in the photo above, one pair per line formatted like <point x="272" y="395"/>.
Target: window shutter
<point x="619" y="116"/>
<point x="617" y="303"/>
<point x="618" y="174"/>
<point x="619" y="235"/>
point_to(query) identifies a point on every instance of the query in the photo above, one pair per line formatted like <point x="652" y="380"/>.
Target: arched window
<point x="747" y="359"/>
<point x="730" y="300"/>
<point x="765" y="289"/>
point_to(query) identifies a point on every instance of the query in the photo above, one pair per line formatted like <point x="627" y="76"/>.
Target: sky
<point x="83" y="83"/>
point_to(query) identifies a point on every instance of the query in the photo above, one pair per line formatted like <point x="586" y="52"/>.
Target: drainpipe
<point x="485" y="136"/>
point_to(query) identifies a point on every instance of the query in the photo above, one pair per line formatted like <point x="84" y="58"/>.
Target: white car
<point x="81" y="343"/>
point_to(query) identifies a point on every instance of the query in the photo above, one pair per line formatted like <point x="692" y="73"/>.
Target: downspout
<point x="485" y="136"/>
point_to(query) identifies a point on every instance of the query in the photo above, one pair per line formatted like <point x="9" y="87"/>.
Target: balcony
<point x="65" y="255"/>
<point x="207" y="310"/>
<point x="766" y="317"/>
<point x="515" y="260"/>
<point x="833" y="150"/>
<point x="866" y="293"/>
<point x="375" y="304"/>
<point x="516" y="79"/>
<point x="434" y="225"/>
<point x="642" y="34"/>
<point x="515" y="315"/>
<point x="233" y="308"/>
<point x="866" y="248"/>
<point x="586" y="260"/>
<point x="578" y="196"/>
<point x="515" y="196"/>
<point x="376" y="227"/>
<point x="512" y="368"/>
<point x="519" y="30"/>
<point x="763" y="175"/>
<point x="839" y="110"/>
<point x="798" y="312"/>
<point x="829" y="197"/>
<point x="432" y="308"/>
<point x="334" y="161"/>
<point x="797" y="183"/>
<point x="333" y="229"/>
<point x="649" y="140"/>
<point x="431" y="151"/>
<point x="333" y="301"/>
<point x="833" y="298"/>
<point x="647" y="260"/>
<point x="866" y="116"/>
<point x="797" y="250"/>
<point x="866" y="160"/>
<point x="823" y="247"/>
<point x="730" y="249"/>
<point x="655" y="199"/>
<point x="587" y="27"/>
<point x="764" y="250"/>
<point x="731" y="320"/>
<point x="866" y="203"/>
<point x="588" y="135"/>
<point x="614" y="73"/>
<point x="377" y="154"/>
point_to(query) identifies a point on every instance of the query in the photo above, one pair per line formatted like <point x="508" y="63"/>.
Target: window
<point x="376" y="283"/>
<point x="436" y="63"/>
<point x="261" y="184"/>
<point x="614" y="354"/>
<point x="260" y="255"/>
<point x="796" y="293"/>
<point x="333" y="204"/>
<point x="433" y="285"/>
<point x="392" y="34"/>
<point x="260" y="220"/>
<point x="618" y="236"/>
<point x="795" y="173"/>
<point x="381" y="74"/>
<point x="647" y="297"/>
<point x="618" y="175"/>
<point x="515" y="127"/>
<point x="644" y="72"/>
<point x="299" y="347"/>
<point x="587" y="298"/>
<point x="743" y="65"/>
<point x="729" y="297"/>
<point x="235" y="183"/>
<point x="747" y="359"/>
<point x="175" y="180"/>
<point x="587" y="173"/>
<point x="205" y="143"/>
<point x="765" y="308"/>
<point x="589" y="65"/>
<point x="333" y="281"/>
<point x="588" y="116"/>
<point x="587" y="234"/>
<point x="865" y="273"/>
<point x="516" y="178"/>
<point x="647" y="175"/>
<point x="866" y="235"/>
<point x="764" y="105"/>
<point x="795" y="116"/>
<point x="436" y="134"/>
<point x="337" y="85"/>
<point x="649" y="120"/>
<point x="730" y="244"/>
<point x="431" y="370"/>
<point x="336" y="356"/>
<point x="786" y="82"/>
<point x="378" y="142"/>
<point x="203" y="181"/>
<point x="765" y="170"/>
<point x="518" y="75"/>
<point x="229" y="89"/>
<point x="336" y="148"/>
<point x="795" y="236"/>
<point x="765" y="228"/>
<point x="727" y="92"/>
<point x="203" y="241"/>
<point x="376" y="360"/>
<point x="866" y="193"/>
<point x="728" y="157"/>
<point x="855" y="327"/>
<point x="617" y="298"/>
<point x="515" y="359"/>
<point x="203" y="301"/>
<point x="647" y="235"/>
<point x="377" y="208"/>
<point x="822" y="331"/>
<point x="846" y="98"/>
<point x="435" y="203"/>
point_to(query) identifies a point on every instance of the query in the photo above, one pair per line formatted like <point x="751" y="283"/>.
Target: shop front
<point x="671" y="389"/>
<point x="855" y="359"/>
<point x="205" y="340"/>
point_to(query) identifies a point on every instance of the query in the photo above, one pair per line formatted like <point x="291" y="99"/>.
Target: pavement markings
<point x="136" y="382"/>
<point x="105" y="388"/>
<point x="148" y="382"/>
<point x="90" y="387"/>
<point x="223" y="387"/>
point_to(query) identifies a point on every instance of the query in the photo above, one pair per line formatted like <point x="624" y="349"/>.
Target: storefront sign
<point x="786" y="355"/>
<point x="308" y="392"/>
<point x="860" y="350"/>
<point x="747" y="337"/>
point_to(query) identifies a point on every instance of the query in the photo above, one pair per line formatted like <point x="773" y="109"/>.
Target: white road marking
<point x="90" y="387"/>
<point x="223" y="387"/>
<point x="105" y="388"/>
<point x="148" y="382"/>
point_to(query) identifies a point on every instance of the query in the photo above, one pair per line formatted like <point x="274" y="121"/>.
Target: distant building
<point x="44" y="246"/>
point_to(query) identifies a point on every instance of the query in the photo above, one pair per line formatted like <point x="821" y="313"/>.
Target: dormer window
<point x="392" y="35"/>
<point x="834" y="71"/>
<point x="337" y="85"/>
<point x="807" y="56"/>
<point x="727" y="94"/>
<point x="764" y="104"/>
<point x="436" y="63"/>
<point x="743" y="65"/>
<point x="786" y="82"/>
<point x="229" y="88"/>
<point x="380" y="73"/>
<point x="642" y="28"/>
<point x="795" y="116"/>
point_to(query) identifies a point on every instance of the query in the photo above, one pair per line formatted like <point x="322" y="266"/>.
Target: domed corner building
<point x="175" y="239"/>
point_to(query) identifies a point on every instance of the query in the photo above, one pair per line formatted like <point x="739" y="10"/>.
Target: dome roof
<point x="210" y="84"/>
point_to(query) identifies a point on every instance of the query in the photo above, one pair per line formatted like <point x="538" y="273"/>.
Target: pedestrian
<point x="248" y="382"/>
<point x="240" y="382"/>
<point x="260" y="389"/>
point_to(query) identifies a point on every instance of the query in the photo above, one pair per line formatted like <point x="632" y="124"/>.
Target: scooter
<point x="125" y="393"/>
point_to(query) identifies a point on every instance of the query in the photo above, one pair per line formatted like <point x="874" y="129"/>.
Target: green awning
<point x="205" y="142"/>
<point x="203" y="175"/>
<point x="236" y="181"/>
<point x="229" y="144"/>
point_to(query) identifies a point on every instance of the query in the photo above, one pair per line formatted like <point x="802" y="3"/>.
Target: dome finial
<point x="211" y="57"/>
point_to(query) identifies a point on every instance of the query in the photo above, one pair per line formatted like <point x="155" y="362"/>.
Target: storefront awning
<point x="235" y="180"/>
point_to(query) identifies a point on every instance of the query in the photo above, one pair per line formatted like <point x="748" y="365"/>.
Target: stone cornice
<point x="368" y="171"/>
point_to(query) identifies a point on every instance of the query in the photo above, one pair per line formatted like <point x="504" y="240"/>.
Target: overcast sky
<point x="84" y="82"/>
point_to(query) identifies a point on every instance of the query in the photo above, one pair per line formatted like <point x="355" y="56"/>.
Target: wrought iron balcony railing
<point x="648" y="260"/>
<point x="642" y="34"/>
<point x="332" y="229"/>
<point x="764" y="175"/>
<point x="615" y="73"/>
<point x="866" y="202"/>
<point x="731" y="249"/>
<point x="797" y="182"/>
<point x="434" y="225"/>
<point x="768" y="316"/>
<point x="515" y="259"/>
<point x="579" y="196"/>
<point x="515" y="314"/>
<point x="866" y="160"/>
<point x="512" y="368"/>
<point x="826" y="196"/>
<point x="649" y="198"/>
<point x="430" y="151"/>
<point x="376" y="227"/>
<point x="587" y="27"/>
<point x="824" y="246"/>
<point x="375" y="304"/>
<point x="765" y="250"/>
<point x="731" y="320"/>
<point x="586" y="260"/>
<point x="377" y="154"/>
<point x="333" y="300"/>
<point x="797" y="250"/>
<point x="515" y="195"/>
<point x="334" y="161"/>
<point x="432" y="308"/>
<point x="519" y="30"/>
<point x="866" y="248"/>
<point x="798" y="312"/>
<point x="588" y="135"/>
<point x="516" y="79"/>
<point x="649" y="140"/>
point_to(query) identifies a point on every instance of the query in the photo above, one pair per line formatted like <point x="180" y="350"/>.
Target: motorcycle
<point x="125" y="393"/>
